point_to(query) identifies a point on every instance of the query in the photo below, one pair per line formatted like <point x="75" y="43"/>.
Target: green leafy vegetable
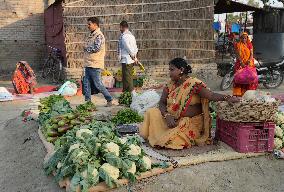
<point x="127" y="116"/>
<point x="125" y="99"/>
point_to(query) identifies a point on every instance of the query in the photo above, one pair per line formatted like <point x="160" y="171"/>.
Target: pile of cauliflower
<point x="93" y="154"/>
<point x="279" y="131"/>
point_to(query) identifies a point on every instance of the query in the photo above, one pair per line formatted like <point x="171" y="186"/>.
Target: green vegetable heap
<point x="52" y="106"/>
<point x="127" y="116"/>
<point x="57" y="117"/>
<point x="125" y="99"/>
<point x="86" y="107"/>
<point x="94" y="153"/>
<point x="59" y="125"/>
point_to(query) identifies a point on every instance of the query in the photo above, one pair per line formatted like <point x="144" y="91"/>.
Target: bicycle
<point x="53" y="65"/>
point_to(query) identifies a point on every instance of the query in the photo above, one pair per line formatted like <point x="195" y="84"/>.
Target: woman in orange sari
<point x="182" y="119"/>
<point x="244" y="52"/>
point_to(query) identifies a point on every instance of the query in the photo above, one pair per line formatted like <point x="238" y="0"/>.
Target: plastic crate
<point x="118" y="84"/>
<point x="246" y="137"/>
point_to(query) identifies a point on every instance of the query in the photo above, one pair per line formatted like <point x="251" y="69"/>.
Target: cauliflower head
<point x="132" y="168"/>
<point x="277" y="143"/>
<point x="113" y="148"/>
<point x="59" y="165"/>
<point x="123" y="140"/>
<point x="280" y="118"/>
<point x="134" y="150"/>
<point x="98" y="144"/>
<point x="74" y="146"/>
<point x="81" y="131"/>
<point x="95" y="173"/>
<point x="278" y="132"/>
<point x="110" y="170"/>
<point x="147" y="162"/>
<point x="84" y="174"/>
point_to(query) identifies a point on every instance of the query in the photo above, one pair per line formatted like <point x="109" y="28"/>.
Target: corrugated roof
<point x="229" y="6"/>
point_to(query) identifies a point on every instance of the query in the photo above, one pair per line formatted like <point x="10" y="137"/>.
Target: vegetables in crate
<point x="127" y="116"/>
<point x="94" y="153"/>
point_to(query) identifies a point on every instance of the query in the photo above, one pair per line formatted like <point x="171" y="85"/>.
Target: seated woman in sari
<point x="183" y="117"/>
<point x="244" y="52"/>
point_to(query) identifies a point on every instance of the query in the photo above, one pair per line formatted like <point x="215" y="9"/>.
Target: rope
<point x="123" y="14"/>
<point x="147" y="22"/>
<point x="71" y="3"/>
<point x="143" y="40"/>
<point x="123" y="5"/>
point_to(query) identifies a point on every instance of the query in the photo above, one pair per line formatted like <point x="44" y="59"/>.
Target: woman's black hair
<point x="181" y="63"/>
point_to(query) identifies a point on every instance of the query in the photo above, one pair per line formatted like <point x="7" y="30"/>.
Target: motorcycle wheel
<point x="227" y="81"/>
<point x="277" y="79"/>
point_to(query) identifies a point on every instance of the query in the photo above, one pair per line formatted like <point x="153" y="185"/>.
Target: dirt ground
<point x="22" y="153"/>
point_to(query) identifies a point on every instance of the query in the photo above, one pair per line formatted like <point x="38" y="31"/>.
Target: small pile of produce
<point x="255" y="106"/>
<point x="213" y="116"/>
<point x="149" y="83"/>
<point x="57" y="126"/>
<point x="51" y="106"/>
<point x="94" y="153"/>
<point x="118" y="74"/>
<point x="86" y="107"/>
<point x="125" y="99"/>
<point x="127" y="116"/>
<point x="279" y="131"/>
<point x="139" y="81"/>
<point x="106" y="73"/>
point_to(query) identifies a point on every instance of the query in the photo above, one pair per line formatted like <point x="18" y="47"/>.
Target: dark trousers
<point x="127" y="78"/>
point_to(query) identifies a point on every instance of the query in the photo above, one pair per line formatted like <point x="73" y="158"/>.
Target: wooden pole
<point x="225" y="37"/>
<point x="246" y="21"/>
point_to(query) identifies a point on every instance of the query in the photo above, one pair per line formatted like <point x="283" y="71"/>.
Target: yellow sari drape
<point x="190" y="131"/>
<point x="244" y="53"/>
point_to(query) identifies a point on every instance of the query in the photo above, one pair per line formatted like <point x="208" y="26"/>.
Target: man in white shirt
<point x="127" y="52"/>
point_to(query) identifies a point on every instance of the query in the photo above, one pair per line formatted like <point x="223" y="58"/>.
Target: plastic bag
<point x="108" y="81"/>
<point x="142" y="102"/>
<point x="68" y="89"/>
<point x="246" y="75"/>
<point x="5" y="95"/>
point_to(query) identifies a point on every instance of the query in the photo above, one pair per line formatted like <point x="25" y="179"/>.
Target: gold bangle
<point x="167" y="114"/>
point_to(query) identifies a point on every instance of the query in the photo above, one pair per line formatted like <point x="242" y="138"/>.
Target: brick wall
<point x="21" y="33"/>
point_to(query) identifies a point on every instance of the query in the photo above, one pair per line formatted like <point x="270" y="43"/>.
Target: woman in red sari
<point x="244" y="52"/>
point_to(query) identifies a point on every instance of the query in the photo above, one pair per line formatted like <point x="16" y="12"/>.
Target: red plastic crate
<point x="246" y="137"/>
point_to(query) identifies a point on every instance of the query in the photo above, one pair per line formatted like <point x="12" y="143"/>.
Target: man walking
<point x="94" y="53"/>
<point x="127" y="52"/>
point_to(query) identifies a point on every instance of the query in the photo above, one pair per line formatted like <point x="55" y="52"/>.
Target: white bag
<point x="68" y="89"/>
<point x="108" y="81"/>
<point x="144" y="101"/>
<point x="5" y="95"/>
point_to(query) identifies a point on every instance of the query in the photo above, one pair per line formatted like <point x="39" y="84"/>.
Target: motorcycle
<point x="270" y="74"/>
